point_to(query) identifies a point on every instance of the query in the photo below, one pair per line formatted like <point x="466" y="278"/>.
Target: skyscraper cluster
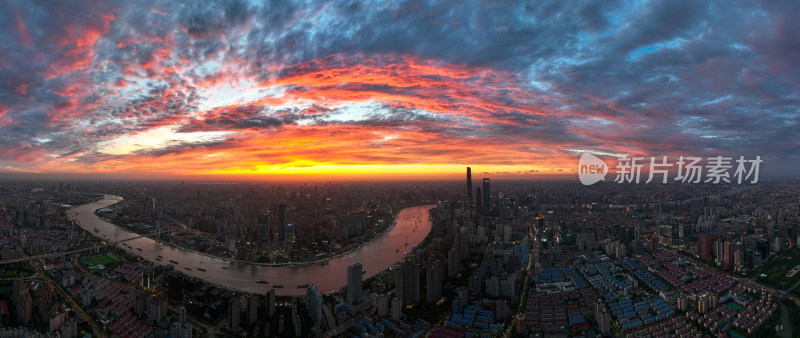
<point x="478" y="200"/>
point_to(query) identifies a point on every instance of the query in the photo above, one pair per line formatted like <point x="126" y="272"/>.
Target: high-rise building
<point x="281" y="222"/>
<point x="478" y="200"/>
<point x="493" y="286"/>
<point x="234" y="307"/>
<point x="398" y="277"/>
<point x="354" y="282"/>
<point x="270" y="303"/>
<point x="469" y="187"/>
<point x="703" y="304"/>
<point x="596" y="309"/>
<point x="383" y="305"/>
<point x="314" y="302"/>
<point x="728" y="255"/>
<point x="434" y="282"/>
<point x="458" y="304"/>
<point x="413" y="281"/>
<point x="603" y="317"/>
<point x="406" y="280"/>
<point x="180" y="330"/>
<point x="157" y="307"/>
<point x="397" y="306"/>
<point x="654" y="242"/>
<point x="70" y="328"/>
<point x="486" y="197"/>
<point x="182" y="314"/>
<point x="140" y="305"/>
<point x="683" y="303"/>
<point x="739" y="261"/>
<point x="706" y="247"/>
<point x="463" y="245"/>
<point x="264" y="227"/>
<point x="24" y="308"/>
<point x="507" y="233"/>
<point x="453" y="263"/>
<point x="175" y="329"/>
<point x="298" y="324"/>
<point x="719" y="251"/>
<point x="605" y="321"/>
<point x="519" y="323"/>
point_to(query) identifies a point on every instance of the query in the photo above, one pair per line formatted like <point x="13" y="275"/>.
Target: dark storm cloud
<point x="233" y="118"/>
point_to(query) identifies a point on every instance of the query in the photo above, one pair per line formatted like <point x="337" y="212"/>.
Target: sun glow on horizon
<point x="305" y="168"/>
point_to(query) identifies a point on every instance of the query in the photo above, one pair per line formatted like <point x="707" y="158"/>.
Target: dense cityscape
<point x="535" y="258"/>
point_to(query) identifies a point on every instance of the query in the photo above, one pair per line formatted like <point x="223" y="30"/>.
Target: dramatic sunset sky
<point x="392" y="88"/>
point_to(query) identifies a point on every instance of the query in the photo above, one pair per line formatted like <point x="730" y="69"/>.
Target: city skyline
<point x="185" y="259"/>
<point x="248" y="90"/>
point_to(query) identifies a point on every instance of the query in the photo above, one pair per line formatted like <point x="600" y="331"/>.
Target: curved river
<point x="412" y="227"/>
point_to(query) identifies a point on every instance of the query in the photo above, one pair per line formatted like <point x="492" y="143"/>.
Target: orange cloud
<point x="424" y="117"/>
<point x="408" y="82"/>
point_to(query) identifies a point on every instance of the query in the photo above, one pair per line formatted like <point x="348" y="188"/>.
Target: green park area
<point x="773" y="273"/>
<point x="735" y="306"/>
<point x="103" y="259"/>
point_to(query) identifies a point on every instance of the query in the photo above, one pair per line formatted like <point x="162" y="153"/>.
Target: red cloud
<point x="411" y="83"/>
<point x="77" y="45"/>
<point x="23" y="31"/>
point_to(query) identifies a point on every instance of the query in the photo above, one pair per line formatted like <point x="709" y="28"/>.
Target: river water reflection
<point x="412" y="227"/>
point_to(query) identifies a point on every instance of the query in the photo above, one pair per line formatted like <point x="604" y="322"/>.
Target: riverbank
<point x="230" y="260"/>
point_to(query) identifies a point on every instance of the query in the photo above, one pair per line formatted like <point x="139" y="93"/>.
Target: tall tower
<point x="282" y="222"/>
<point x="469" y="187"/>
<point x="354" y="282"/>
